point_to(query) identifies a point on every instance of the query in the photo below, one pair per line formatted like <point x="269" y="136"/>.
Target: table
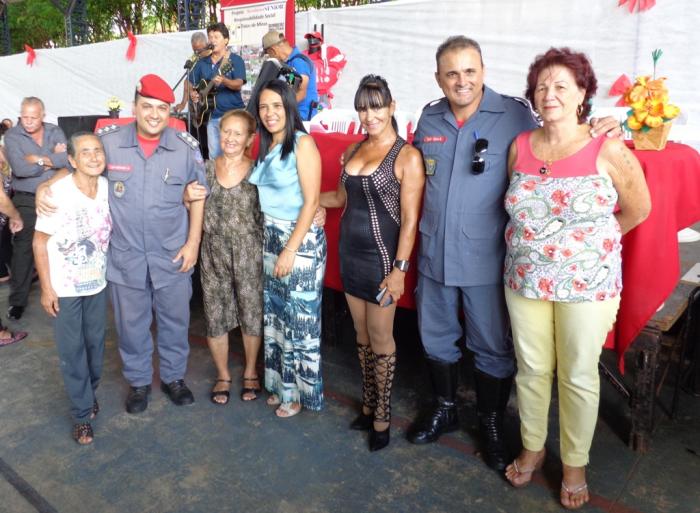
<point x="650" y="257"/>
<point x="173" y="122"/>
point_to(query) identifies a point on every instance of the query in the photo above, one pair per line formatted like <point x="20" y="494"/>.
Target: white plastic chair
<point x="343" y="121"/>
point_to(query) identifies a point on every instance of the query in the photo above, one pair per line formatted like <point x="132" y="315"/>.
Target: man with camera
<point x="276" y="45"/>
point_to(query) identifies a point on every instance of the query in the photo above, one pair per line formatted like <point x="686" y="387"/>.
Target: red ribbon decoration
<point x="641" y="5"/>
<point x="619" y="88"/>
<point x="31" y="55"/>
<point x="131" y="51"/>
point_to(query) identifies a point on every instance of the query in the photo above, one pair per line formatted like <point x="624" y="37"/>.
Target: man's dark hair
<point x="218" y="27"/>
<point x="457" y="43"/>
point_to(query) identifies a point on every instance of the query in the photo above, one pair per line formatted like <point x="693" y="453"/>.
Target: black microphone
<point x="191" y="62"/>
<point x="205" y="49"/>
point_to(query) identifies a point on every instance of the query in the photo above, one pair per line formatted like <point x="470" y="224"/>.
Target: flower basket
<point x="652" y="139"/>
<point x="114" y="113"/>
<point x="650" y="114"/>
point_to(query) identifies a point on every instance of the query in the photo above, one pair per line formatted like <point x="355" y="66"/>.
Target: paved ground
<point x="241" y="458"/>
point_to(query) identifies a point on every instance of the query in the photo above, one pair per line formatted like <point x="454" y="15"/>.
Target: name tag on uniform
<point x="434" y="139"/>
<point x="430" y="165"/>
<point x="124" y="168"/>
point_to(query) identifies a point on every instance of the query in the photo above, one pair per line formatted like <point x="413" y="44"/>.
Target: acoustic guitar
<point x="207" y="98"/>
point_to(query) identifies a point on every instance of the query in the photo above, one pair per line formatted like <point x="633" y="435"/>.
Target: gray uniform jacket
<point x="149" y="218"/>
<point x="18" y="144"/>
<point x="461" y="228"/>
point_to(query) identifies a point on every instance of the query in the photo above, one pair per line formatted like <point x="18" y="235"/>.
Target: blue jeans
<point x="213" y="138"/>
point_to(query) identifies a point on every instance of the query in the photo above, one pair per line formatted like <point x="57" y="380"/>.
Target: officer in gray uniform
<point x="464" y="138"/>
<point x="154" y="243"/>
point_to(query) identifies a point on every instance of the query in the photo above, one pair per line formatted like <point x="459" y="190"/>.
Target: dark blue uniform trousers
<point x="133" y="315"/>
<point x="486" y="324"/>
<point x="79" y="329"/>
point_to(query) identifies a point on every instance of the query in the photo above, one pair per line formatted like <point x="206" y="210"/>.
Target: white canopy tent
<point x="398" y="40"/>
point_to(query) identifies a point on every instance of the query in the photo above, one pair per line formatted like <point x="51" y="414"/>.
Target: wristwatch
<point x="40" y="162"/>
<point x="401" y="265"/>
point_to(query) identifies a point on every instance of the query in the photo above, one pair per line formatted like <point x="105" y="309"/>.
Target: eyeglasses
<point x="478" y="162"/>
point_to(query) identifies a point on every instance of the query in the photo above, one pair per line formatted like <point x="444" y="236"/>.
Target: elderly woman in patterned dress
<point x="570" y="200"/>
<point x="231" y="268"/>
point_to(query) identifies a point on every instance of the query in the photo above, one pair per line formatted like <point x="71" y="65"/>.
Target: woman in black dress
<point x="381" y="188"/>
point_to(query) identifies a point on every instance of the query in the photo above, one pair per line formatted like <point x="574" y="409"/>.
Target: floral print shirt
<point x="562" y="239"/>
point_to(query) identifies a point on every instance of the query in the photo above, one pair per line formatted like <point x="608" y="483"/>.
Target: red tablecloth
<point x="175" y="123"/>
<point x="650" y="260"/>
<point x="650" y="256"/>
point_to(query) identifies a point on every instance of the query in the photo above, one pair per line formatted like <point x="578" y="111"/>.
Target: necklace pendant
<point x="544" y="170"/>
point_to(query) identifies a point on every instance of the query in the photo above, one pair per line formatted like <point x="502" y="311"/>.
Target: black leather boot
<point x="442" y="418"/>
<point x="491" y="400"/>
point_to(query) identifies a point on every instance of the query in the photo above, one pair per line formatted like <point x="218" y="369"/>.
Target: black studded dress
<point x="369" y="228"/>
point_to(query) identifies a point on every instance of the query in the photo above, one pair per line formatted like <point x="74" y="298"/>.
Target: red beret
<point x="152" y="86"/>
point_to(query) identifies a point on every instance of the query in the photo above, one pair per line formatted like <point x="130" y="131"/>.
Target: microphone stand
<point x="188" y="69"/>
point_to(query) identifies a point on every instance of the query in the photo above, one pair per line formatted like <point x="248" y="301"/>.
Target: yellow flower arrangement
<point x="648" y="99"/>
<point x="114" y="103"/>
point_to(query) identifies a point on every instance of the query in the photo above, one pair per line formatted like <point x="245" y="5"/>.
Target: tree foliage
<point x="40" y="23"/>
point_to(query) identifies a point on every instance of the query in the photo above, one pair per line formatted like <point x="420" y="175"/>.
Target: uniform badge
<point x="430" y="165"/>
<point x="119" y="189"/>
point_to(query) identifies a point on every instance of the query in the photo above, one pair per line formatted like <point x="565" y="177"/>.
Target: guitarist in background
<point x="227" y="86"/>
<point x="200" y="49"/>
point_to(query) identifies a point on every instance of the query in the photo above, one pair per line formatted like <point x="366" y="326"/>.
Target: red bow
<point x="620" y="87"/>
<point x="31" y="55"/>
<point x="131" y="51"/>
<point x="641" y="5"/>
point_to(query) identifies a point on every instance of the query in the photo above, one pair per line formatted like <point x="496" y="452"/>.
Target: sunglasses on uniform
<point x="478" y="162"/>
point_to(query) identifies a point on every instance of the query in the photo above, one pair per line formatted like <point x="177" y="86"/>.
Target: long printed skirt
<point x="292" y="316"/>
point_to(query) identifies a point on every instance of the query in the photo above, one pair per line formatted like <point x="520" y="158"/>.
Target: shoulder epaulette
<point x="521" y="101"/>
<point x="191" y="141"/>
<point x="432" y="103"/>
<point x="108" y="130"/>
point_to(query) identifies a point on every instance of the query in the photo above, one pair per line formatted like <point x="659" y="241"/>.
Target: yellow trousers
<point x="568" y="338"/>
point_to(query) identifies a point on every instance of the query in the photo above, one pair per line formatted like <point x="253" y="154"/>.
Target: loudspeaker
<point x="73" y="124"/>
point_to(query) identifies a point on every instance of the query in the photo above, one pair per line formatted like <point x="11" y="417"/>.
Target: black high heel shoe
<point x="362" y="422"/>
<point x="379" y="439"/>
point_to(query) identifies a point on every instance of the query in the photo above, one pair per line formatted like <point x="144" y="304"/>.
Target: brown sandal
<point x="82" y="431"/>
<point x="250" y="390"/>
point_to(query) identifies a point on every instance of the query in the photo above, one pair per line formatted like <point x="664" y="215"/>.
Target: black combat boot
<point x="491" y="399"/>
<point x="442" y="418"/>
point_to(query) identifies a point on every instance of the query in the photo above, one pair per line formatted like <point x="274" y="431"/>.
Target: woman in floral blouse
<point x="571" y="198"/>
